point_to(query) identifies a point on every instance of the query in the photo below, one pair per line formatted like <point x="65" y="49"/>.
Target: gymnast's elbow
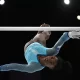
<point x="31" y="71"/>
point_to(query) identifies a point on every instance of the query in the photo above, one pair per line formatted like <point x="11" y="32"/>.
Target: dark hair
<point x="60" y="63"/>
<point x="44" y="25"/>
<point x="63" y="65"/>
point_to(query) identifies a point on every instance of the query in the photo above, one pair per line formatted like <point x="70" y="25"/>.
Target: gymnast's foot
<point x="74" y="34"/>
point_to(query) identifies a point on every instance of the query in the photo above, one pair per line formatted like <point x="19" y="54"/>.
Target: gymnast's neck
<point x="40" y="39"/>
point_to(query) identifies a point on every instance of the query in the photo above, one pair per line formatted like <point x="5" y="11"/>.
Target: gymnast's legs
<point x="33" y="67"/>
<point x="29" y="68"/>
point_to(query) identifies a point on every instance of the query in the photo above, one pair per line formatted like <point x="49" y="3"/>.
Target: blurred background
<point x="35" y="12"/>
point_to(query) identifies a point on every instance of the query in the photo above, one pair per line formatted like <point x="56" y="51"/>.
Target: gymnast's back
<point x="38" y="38"/>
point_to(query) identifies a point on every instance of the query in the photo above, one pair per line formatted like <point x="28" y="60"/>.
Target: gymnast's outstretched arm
<point x="56" y="48"/>
<point x="31" y="68"/>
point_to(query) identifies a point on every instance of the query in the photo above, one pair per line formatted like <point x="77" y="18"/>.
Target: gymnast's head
<point x="45" y="33"/>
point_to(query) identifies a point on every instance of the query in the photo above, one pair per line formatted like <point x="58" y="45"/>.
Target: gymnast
<point x="37" y="55"/>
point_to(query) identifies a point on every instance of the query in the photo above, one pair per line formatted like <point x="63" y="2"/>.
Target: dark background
<point x="36" y="12"/>
<point x="12" y="51"/>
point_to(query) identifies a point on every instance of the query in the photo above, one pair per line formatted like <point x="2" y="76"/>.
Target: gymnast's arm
<point x="56" y="48"/>
<point x="31" y="68"/>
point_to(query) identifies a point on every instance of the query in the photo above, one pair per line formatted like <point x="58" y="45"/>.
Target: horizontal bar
<point x="39" y="28"/>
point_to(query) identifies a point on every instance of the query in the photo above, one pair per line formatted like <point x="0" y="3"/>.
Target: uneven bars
<point x="39" y="28"/>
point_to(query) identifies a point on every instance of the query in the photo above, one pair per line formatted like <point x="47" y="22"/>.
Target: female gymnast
<point x="38" y="55"/>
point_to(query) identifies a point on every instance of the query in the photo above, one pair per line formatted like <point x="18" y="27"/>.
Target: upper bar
<point x="39" y="28"/>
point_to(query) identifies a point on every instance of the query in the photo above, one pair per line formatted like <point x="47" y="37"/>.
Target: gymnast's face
<point x="46" y="34"/>
<point x="50" y="61"/>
